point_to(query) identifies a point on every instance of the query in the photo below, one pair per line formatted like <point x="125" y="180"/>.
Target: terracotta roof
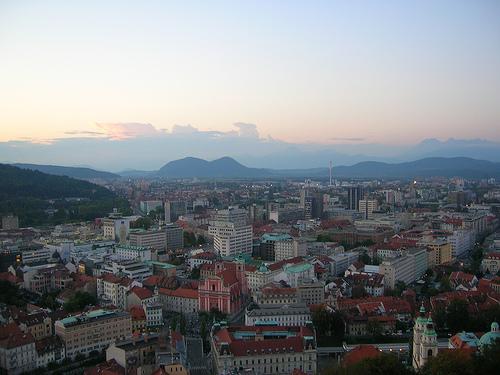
<point x="110" y="367"/>
<point x="137" y="312"/>
<point x="142" y="293"/>
<point x="360" y="353"/>
<point x="180" y="292"/>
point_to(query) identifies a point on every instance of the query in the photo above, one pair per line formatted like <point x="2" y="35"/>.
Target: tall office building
<point x="174" y="209"/>
<point x="174" y="237"/>
<point x="231" y="232"/>
<point x="367" y="206"/>
<point x="354" y="195"/>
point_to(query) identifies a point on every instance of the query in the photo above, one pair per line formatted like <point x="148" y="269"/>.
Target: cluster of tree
<point x="179" y="322"/>
<point x="191" y="240"/>
<point x="329" y="323"/>
<point x="456" y="317"/>
<point x="445" y="363"/>
<point x="206" y="320"/>
<point x="10" y="294"/>
<point x="79" y="301"/>
<point x="38" y="198"/>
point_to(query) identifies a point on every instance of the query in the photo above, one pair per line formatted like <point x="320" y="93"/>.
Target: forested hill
<point x="39" y="198"/>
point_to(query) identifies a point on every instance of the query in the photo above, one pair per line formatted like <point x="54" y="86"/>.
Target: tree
<point x="195" y="273"/>
<point x="488" y="360"/>
<point x="439" y="317"/>
<point x="358" y="291"/>
<point x="10" y="294"/>
<point x="182" y="324"/>
<point x="399" y="288"/>
<point x="203" y="329"/>
<point x="173" y="323"/>
<point x="79" y="301"/>
<point x="384" y="364"/>
<point x="457" y="316"/>
<point x="449" y="362"/>
<point x="444" y="285"/>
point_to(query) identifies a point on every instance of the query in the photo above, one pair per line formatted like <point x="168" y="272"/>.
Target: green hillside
<point x="39" y="198"/>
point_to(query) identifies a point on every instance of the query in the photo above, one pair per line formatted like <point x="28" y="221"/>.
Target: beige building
<point x="367" y="206"/>
<point x="491" y="263"/>
<point x="155" y="239"/>
<point x="39" y="324"/>
<point x="112" y="289"/>
<point x="264" y="350"/>
<point x="439" y="251"/>
<point x="286" y="249"/>
<point x="311" y="293"/>
<point x="93" y="331"/>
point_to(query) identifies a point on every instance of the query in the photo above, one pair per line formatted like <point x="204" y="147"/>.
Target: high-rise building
<point x="174" y="209"/>
<point x="231" y="232"/>
<point x="148" y="206"/>
<point x="354" y="195"/>
<point x="174" y="237"/>
<point x="367" y="206"/>
<point x="155" y="239"/>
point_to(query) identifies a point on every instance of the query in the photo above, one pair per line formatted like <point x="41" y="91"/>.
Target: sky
<point x="301" y="72"/>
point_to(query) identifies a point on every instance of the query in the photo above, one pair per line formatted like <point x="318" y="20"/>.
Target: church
<point x="425" y="344"/>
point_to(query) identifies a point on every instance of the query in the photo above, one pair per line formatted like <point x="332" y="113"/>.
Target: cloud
<point x="84" y="132"/>
<point x="125" y="130"/>
<point x="184" y="129"/>
<point x="354" y="139"/>
<point x="247" y="130"/>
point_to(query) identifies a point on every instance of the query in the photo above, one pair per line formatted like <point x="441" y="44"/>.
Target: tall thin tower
<point x="331" y="167"/>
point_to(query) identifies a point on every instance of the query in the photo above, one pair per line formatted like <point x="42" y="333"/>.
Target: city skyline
<point x="326" y="73"/>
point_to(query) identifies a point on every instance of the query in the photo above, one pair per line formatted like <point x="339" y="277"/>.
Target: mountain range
<point x="227" y="167"/>
<point x="74" y="172"/>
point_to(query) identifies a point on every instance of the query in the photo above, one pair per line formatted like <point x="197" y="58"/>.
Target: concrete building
<point x="406" y="268"/>
<point x="287" y="248"/>
<point x="135" y="270"/>
<point x="354" y="195"/>
<point x="129" y="252"/>
<point x="264" y="350"/>
<point x="138" y="352"/>
<point x="367" y="206"/>
<point x="17" y="350"/>
<point x="491" y="263"/>
<point x="231" y="233"/>
<point x="174" y="209"/>
<point x="439" y="251"/>
<point x="112" y="290"/>
<point x="280" y="315"/>
<point x="148" y="206"/>
<point x="116" y="229"/>
<point x="311" y="292"/>
<point x="38" y="323"/>
<point x="181" y="300"/>
<point x="93" y="331"/>
<point x="174" y="237"/>
<point x="154" y="239"/>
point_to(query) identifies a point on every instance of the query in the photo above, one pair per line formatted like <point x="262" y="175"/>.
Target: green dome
<point x="429" y="328"/>
<point x="263" y="268"/>
<point x="490" y="337"/>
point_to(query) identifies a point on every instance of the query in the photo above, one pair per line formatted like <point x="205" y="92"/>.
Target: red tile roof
<point x="142" y="293"/>
<point x="137" y="312"/>
<point x="180" y="292"/>
<point x="360" y="353"/>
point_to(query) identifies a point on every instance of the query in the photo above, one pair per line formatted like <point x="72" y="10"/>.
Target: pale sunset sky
<point x="301" y="71"/>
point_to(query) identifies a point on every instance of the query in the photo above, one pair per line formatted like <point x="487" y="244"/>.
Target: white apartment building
<point x="282" y="315"/>
<point x="129" y="252"/>
<point x="148" y="206"/>
<point x="39" y="255"/>
<point x="289" y="248"/>
<point x="155" y="239"/>
<point x="406" y="268"/>
<point x="132" y="269"/>
<point x="462" y="241"/>
<point x="18" y="352"/>
<point x="232" y="235"/>
<point x="112" y="289"/>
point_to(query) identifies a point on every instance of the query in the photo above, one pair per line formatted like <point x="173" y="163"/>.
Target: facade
<point x="272" y="295"/>
<point x="112" y="290"/>
<point x="439" y="251"/>
<point x="36" y="255"/>
<point x="231" y="233"/>
<point x="148" y="206"/>
<point x="354" y="195"/>
<point x="281" y="315"/>
<point x="491" y="263"/>
<point x="135" y="270"/>
<point x="129" y="252"/>
<point x="258" y="277"/>
<point x="181" y="300"/>
<point x="289" y="248"/>
<point x="94" y="330"/>
<point x="407" y="268"/>
<point x="264" y="350"/>
<point x="226" y="290"/>
<point x="133" y="353"/>
<point x="116" y="229"/>
<point x="49" y="350"/>
<point x="174" y="237"/>
<point x="367" y="206"/>
<point x="311" y="293"/>
<point x="39" y="324"/>
<point x="174" y="209"/>
<point x="155" y="239"/>
<point x="17" y="350"/>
